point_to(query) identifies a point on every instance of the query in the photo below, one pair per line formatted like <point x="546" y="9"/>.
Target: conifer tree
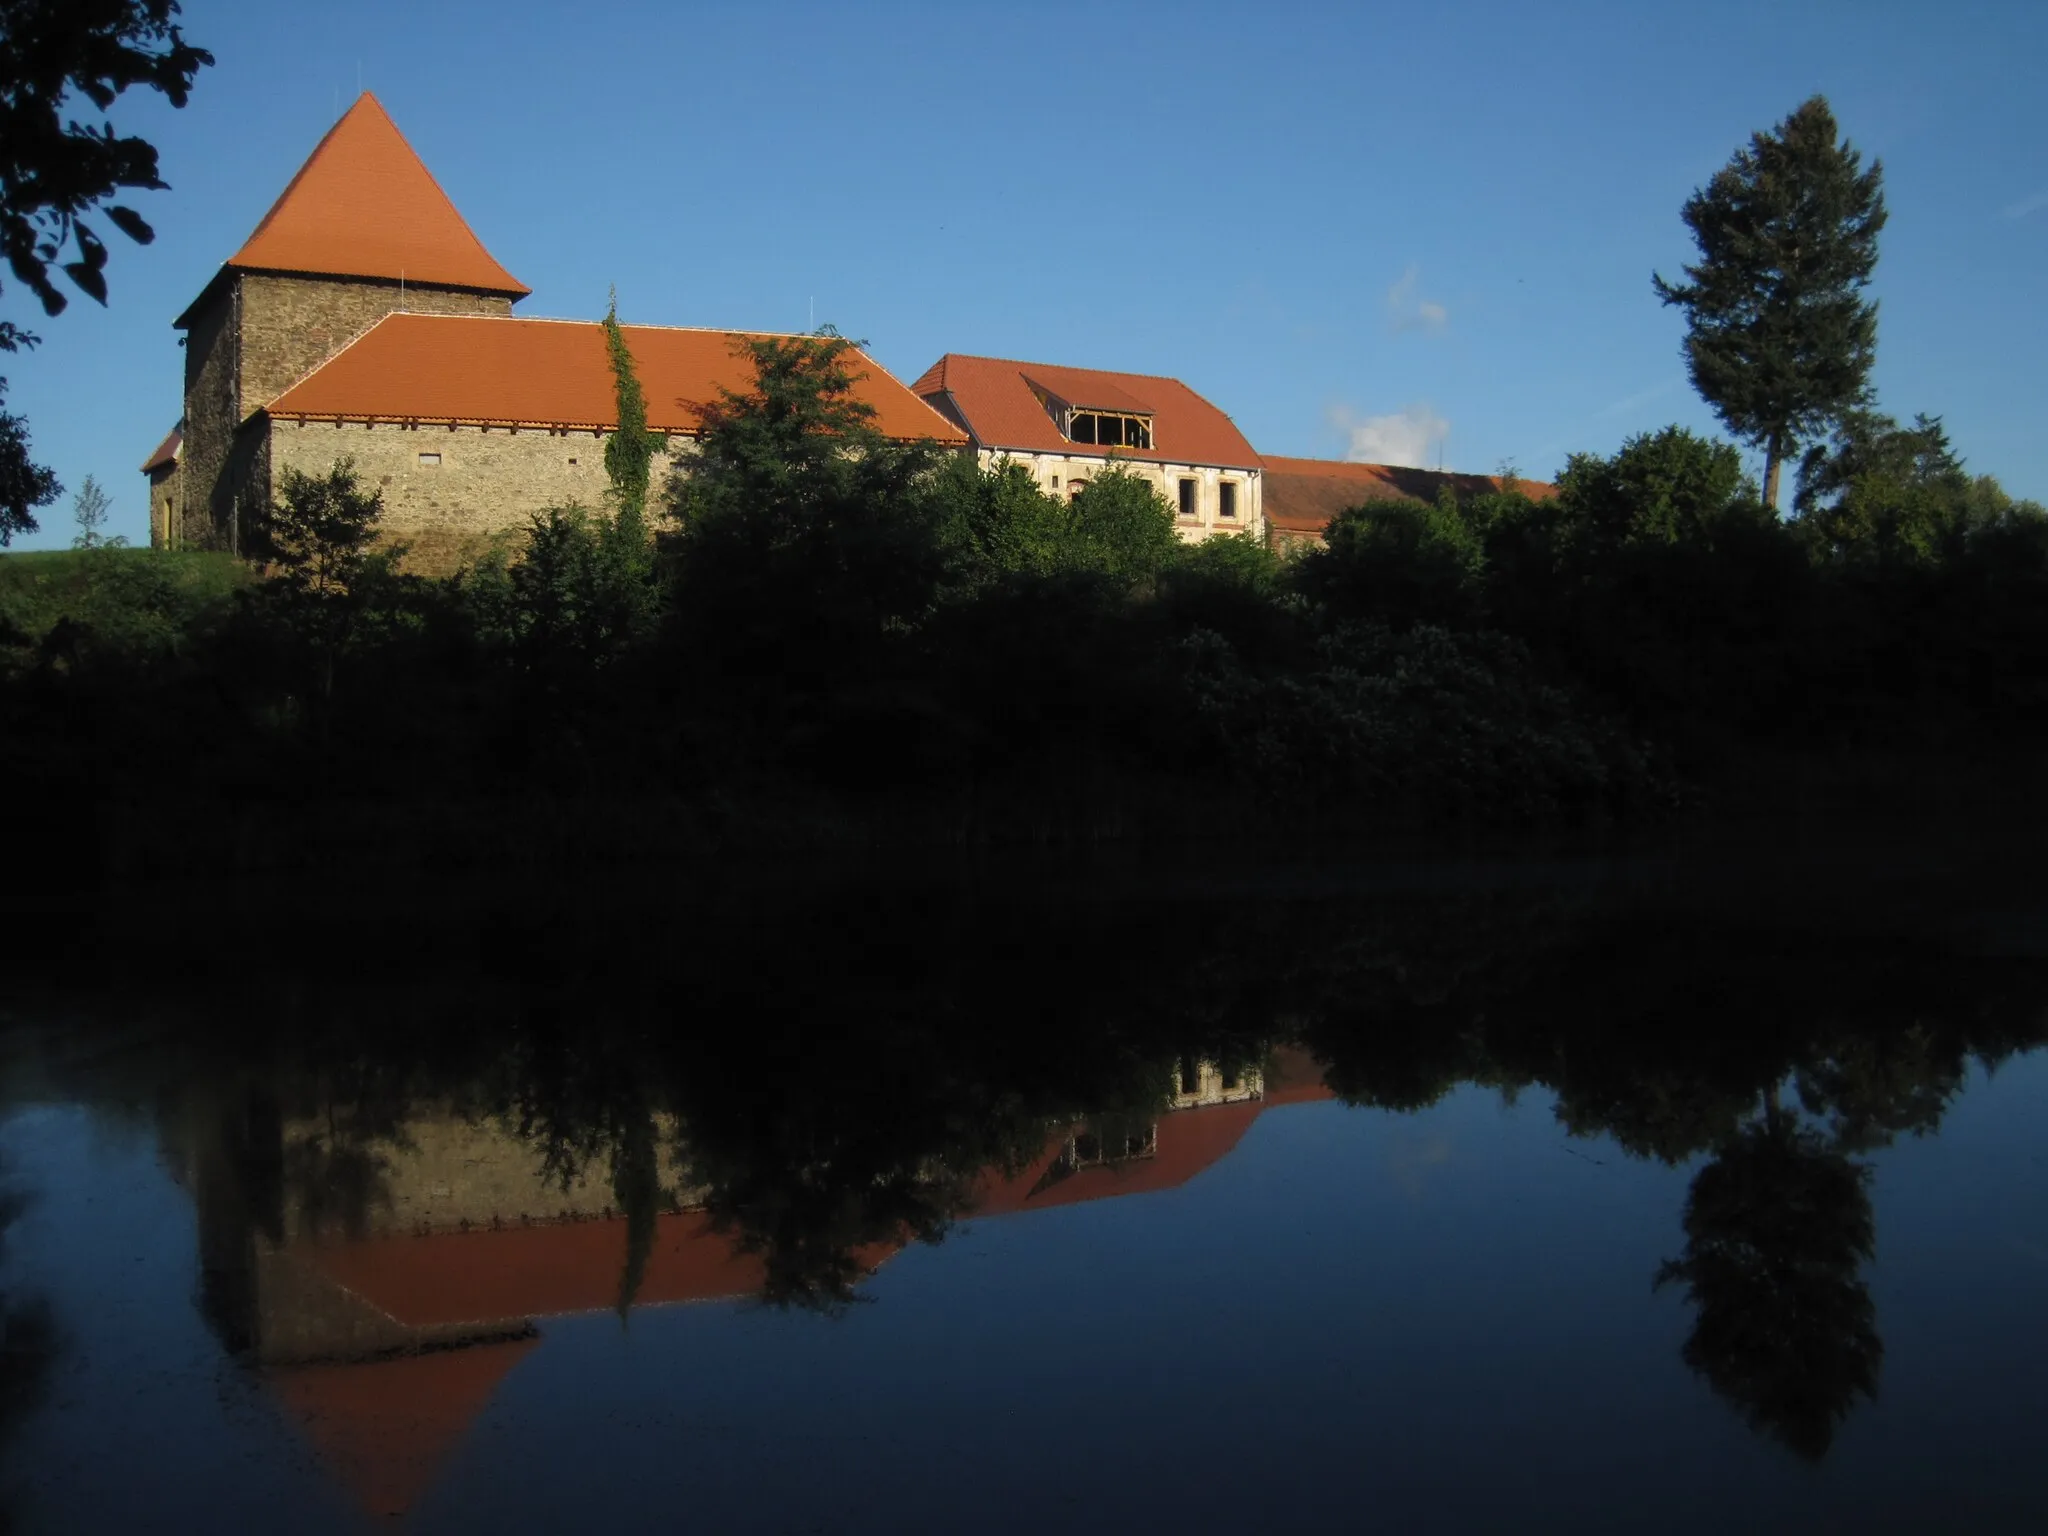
<point x="1780" y="340"/>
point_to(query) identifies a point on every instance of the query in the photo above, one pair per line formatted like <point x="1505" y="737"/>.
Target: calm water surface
<point x="1460" y="1203"/>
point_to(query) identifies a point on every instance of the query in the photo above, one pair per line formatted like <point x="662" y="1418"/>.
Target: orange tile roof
<point x="363" y="205"/>
<point x="1302" y="495"/>
<point x="995" y="397"/>
<point x="166" y="451"/>
<point x="487" y="369"/>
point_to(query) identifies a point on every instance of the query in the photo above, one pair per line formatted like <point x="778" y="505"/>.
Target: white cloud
<point x="1409" y="438"/>
<point x="2027" y="205"/>
<point x="1408" y="310"/>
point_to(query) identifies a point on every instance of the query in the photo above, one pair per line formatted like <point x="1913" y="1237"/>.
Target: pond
<point x="1683" y="1196"/>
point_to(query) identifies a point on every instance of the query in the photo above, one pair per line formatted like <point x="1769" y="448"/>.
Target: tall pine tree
<point x="1780" y="340"/>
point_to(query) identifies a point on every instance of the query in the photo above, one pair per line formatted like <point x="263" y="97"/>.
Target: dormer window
<point x="1109" y="429"/>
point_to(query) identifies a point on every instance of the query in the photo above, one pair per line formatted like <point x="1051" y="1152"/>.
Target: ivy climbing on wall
<point x="629" y="452"/>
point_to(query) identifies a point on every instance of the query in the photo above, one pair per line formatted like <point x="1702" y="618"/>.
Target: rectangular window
<point x="1188" y="490"/>
<point x="1055" y="482"/>
<point x="1226" y="505"/>
<point x="429" y="460"/>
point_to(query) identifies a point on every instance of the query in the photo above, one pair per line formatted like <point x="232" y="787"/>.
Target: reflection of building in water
<point x="1107" y="1156"/>
<point x="385" y="1283"/>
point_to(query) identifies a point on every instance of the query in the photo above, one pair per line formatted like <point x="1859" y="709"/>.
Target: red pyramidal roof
<point x="363" y="205"/>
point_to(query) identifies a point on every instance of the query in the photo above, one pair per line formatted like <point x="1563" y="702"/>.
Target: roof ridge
<point x="624" y="325"/>
<point x="1019" y="362"/>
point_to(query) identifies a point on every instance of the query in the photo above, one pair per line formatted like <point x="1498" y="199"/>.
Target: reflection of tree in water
<point x="1666" y="1037"/>
<point x="1778" y="1226"/>
<point x="836" y="1082"/>
<point x="336" y="1178"/>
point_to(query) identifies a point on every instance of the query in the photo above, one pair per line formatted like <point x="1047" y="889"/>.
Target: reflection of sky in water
<point x="1433" y="1322"/>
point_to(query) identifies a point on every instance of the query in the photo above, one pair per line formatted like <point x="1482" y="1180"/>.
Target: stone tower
<point x="363" y="231"/>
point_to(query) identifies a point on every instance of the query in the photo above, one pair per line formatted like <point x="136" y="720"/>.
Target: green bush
<point x="112" y="604"/>
<point x="1398" y="563"/>
<point x="1388" y="726"/>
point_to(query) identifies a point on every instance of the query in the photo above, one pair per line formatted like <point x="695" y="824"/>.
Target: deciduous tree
<point x="89" y="511"/>
<point x="24" y="484"/>
<point x="318" y="536"/>
<point x="55" y="169"/>
<point x="1668" y="487"/>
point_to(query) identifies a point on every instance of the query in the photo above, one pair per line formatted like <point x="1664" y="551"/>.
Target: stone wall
<point x="291" y="325"/>
<point x="448" y="491"/>
<point x="165" y="497"/>
<point x="1057" y="473"/>
<point x="448" y="1173"/>
<point x="254" y="336"/>
<point x="205" y="507"/>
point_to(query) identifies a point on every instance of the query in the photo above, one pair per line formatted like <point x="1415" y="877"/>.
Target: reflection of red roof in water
<point x="519" y="1272"/>
<point x="385" y="1427"/>
<point x="1188" y="1142"/>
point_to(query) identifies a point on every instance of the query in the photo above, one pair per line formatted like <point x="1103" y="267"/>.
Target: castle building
<point x="1067" y="425"/>
<point x="364" y="320"/>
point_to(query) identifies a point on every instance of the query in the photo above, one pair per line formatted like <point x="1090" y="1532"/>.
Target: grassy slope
<point x="102" y="587"/>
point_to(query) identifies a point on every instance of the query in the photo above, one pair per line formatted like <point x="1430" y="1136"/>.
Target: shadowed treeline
<point x="815" y="637"/>
<point x="809" y="1085"/>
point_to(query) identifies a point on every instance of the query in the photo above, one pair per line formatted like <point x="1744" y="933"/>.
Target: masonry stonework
<point x="251" y="337"/>
<point x="448" y="492"/>
<point x="203" y="519"/>
<point x="291" y="325"/>
<point x="166" y="496"/>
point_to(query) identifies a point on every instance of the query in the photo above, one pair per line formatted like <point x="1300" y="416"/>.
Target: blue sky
<point x="1394" y="231"/>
